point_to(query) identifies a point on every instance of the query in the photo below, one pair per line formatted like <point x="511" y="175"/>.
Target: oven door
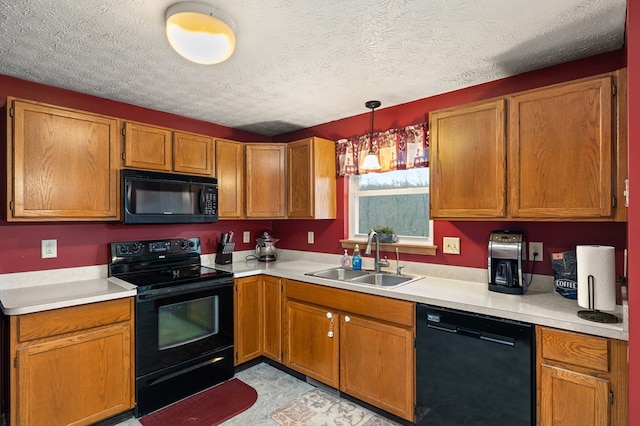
<point x="182" y="323"/>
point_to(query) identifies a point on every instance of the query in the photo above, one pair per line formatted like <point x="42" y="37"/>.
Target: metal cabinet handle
<point x="347" y="319"/>
<point x="330" y="332"/>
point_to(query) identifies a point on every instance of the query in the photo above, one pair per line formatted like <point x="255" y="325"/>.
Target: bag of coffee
<point x="565" y="273"/>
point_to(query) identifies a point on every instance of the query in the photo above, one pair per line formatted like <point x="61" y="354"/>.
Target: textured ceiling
<point x="299" y="63"/>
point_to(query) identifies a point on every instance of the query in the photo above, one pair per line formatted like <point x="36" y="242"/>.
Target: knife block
<point x="224" y="254"/>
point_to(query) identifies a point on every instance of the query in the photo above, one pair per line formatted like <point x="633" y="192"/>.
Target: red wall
<point x="633" y="75"/>
<point x="556" y="237"/>
<point x="82" y="244"/>
<point x="85" y="244"/>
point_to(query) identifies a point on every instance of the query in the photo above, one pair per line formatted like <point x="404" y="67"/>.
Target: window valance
<point x="397" y="149"/>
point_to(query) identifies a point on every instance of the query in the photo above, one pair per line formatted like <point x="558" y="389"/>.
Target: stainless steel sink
<point x="383" y="280"/>
<point x="338" y="274"/>
<point x="380" y="279"/>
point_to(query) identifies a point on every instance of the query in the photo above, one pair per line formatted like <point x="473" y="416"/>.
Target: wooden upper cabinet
<point x="265" y="171"/>
<point x="560" y="151"/>
<point x="230" y="174"/>
<point x="157" y="148"/>
<point x="560" y="156"/>
<point x="311" y="179"/>
<point x="147" y="147"/>
<point x="193" y="154"/>
<point x="467" y="161"/>
<point x="62" y="164"/>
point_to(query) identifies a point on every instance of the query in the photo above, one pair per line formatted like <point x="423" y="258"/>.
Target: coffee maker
<point x="507" y="250"/>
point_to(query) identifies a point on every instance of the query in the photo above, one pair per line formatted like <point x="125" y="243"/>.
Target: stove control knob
<point x="136" y="247"/>
<point x="184" y="244"/>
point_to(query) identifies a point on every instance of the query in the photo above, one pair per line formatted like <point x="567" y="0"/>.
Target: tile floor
<point x="275" y="390"/>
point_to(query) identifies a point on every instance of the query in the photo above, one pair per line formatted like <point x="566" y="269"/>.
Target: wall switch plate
<point x="310" y="237"/>
<point x="246" y="237"/>
<point x="535" y="248"/>
<point x="49" y="248"/>
<point x="451" y="245"/>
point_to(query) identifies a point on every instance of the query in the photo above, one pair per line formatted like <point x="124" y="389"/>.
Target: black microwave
<point x="156" y="197"/>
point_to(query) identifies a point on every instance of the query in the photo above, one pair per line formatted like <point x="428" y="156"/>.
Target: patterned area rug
<point x="321" y="408"/>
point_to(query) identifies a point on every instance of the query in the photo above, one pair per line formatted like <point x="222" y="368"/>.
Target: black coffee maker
<point x="507" y="250"/>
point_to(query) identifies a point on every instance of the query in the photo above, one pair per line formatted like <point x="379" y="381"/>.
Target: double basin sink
<point x="380" y="279"/>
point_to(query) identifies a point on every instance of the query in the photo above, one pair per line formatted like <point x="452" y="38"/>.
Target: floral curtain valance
<point x="397" y="149"/>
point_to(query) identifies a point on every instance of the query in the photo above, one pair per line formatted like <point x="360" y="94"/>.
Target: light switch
<point x="451" y="245"/>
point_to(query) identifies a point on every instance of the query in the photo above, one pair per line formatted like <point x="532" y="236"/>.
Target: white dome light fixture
<point x="200" y="33"/>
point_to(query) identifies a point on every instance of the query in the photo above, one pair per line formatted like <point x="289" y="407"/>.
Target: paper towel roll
<point x="599" y="262"/>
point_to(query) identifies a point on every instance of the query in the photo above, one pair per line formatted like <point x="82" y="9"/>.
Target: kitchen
<point x="86" y="244"/>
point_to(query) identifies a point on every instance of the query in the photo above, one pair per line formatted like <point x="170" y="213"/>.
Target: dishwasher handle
<point x="492" y="338"/>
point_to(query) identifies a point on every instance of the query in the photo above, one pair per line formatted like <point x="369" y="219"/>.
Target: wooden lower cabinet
<point x="72" y="365"/>
<point x="248" y="301"/>
<point x="376" y="362"/>
<point x="258" y="313"/>
<point x="312" y="342"/>
<point x="581" y="379"/>
<point x="359" y="343"/>
<point x="272" y="317"/>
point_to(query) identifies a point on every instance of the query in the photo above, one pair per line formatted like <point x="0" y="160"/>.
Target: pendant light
<point x="371" y="162"/>
<point x="200" y="33"/>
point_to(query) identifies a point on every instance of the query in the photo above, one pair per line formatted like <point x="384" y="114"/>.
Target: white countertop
<point x="537" y="306"/>
<point x="25" y="299"/>
<point x="450" y="287"/>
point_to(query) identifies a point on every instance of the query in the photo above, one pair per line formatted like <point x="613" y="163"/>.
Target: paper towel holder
<point x="593" y="314"/>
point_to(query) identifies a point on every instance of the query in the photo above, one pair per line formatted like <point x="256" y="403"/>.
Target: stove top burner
<point x="157" y="264"/>
<point x="174" y="276"/>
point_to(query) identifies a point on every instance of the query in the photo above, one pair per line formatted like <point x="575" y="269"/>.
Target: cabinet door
<point x="79" y="379"/>
<point x="147" y="147"/>
<point x="62" y="164"/>
<point x="570" y="398"/>
<point x="311" y="179"/>
<point x="377" y="364"/>
<point x="248" y="324"/>
<point x="265" y="180"/>
<point x="230" y="174"/>
<point x="560" y="151"/>
<point x="272" y="319"/>
<point x="468" y="161"/>
<point x="312" y="342"/>
<point x="193" y="154"/>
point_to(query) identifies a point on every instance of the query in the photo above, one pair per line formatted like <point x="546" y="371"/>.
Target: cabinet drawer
<point x="576" y="349"/>
<point x="378" y="307"/>
<point x="66" y="320"/>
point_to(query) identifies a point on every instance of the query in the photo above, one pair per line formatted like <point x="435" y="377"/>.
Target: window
<point x="399" y="199"/>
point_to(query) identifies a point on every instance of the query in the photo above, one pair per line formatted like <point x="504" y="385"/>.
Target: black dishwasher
<point x="473" y="369"/>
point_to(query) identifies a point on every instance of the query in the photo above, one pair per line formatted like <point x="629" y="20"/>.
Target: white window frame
<point x="353" y="213"/>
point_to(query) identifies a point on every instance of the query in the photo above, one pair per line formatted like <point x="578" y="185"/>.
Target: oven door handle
<point x="180" y="290"/>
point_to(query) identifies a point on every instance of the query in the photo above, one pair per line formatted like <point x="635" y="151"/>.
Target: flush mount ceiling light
<point x="371" y="162"/>
<point x="200" y="33"/>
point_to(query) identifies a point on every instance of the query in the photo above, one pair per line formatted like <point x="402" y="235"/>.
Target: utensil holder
<point x="224" y="255"/>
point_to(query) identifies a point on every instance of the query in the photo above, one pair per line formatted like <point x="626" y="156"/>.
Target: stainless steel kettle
<point x="265" y="248"/>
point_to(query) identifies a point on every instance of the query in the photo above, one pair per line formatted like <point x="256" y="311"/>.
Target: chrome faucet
<point x="398" y="267"/>
<point x="377" y="263"/>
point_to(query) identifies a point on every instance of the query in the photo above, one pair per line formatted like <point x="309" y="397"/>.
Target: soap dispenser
<point x="356" y="261"/>
<point x="345" y="261"/>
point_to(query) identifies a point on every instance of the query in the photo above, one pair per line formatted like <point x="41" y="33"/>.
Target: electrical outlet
<point x="246" y="237"/>
<point x="535" y="248"/>
<point x="451" y="245"/>
<point x="49" y="248"/>
<point x="310" y="237"/>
